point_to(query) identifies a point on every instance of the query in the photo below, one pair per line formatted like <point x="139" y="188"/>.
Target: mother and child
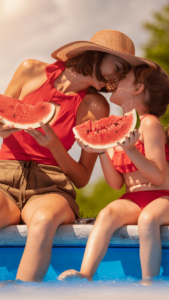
<point x="37" y="172"/>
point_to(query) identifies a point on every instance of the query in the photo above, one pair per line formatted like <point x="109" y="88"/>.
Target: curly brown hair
<point x="156" y="82"/>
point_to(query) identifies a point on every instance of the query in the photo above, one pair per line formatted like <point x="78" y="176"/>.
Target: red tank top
<point x="21" y="145"/>
<point x="123" y="163"/>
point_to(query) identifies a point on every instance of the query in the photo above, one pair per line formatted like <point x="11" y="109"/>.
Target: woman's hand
<point x="47" y="140"/>
<point x="7" y="130"/>
<point x="130" y="141"/>
<point x="88" y="149"/>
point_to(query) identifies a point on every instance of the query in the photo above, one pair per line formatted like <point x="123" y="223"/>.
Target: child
<point x="142" y="164"/>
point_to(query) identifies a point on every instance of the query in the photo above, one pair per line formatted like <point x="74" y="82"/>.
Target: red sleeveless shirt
<point x="21" y="145"/>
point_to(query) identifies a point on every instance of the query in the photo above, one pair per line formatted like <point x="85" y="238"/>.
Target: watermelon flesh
<point x="21" y="115"/>
<point x="104" y="133"/>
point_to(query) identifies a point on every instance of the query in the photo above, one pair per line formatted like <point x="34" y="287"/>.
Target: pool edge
<point x="74" y="235"/>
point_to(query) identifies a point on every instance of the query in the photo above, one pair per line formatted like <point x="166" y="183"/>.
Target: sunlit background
<point x="35" y="28"/>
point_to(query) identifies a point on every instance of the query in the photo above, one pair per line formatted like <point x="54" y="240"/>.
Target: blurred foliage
<point x="93" y="198"/>
<point x="157" y="47"/>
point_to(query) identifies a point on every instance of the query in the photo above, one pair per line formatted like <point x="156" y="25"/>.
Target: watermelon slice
<point x="106" y="132"/>
<point x="21" y="115"/>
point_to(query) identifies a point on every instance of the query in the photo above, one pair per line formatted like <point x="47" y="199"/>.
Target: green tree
<point x="157" y="47"/>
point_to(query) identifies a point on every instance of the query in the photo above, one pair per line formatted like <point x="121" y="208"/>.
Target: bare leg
<point x="42" y="216"/>
<point x="151" y="218"/>
<point x="9" y="212"/>
<point x="113" y="216"/>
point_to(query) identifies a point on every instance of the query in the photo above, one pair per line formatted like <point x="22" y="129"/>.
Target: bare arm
<point x="27" y="70"/>
<point x="29" y="76"/>
<point x="153" y="165"/>
<point x="78" y="172"/>
<point x="114" y="179"/>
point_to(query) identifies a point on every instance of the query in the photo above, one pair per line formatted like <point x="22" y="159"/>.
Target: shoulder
<point x="150" y="122"/>
<point x="98" y="105"/>
<point x="27" y="70"/>
<point x="31" y="67"/>
<point x="93" y="107"/>
<point x="152" y="128"/>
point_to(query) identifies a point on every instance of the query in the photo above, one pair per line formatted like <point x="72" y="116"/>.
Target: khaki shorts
<point x="24" y="181"/>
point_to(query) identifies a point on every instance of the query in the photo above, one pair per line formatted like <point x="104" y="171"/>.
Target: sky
<point x="35" y="28"/>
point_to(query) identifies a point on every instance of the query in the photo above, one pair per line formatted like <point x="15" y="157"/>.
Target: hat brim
<point x="76" y="48"/>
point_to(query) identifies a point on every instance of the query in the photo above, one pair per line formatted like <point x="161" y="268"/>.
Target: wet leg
<point x="9" y="211"/>
<point x="151" y="218"/>
<point x="112" y="217"/>
<point x="42" y="216"/>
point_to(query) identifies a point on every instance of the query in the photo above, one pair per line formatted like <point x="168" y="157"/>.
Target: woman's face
<point x="112" y="69"/>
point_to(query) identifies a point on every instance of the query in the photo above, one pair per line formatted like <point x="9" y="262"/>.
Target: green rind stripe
<point x="138" y="120"/>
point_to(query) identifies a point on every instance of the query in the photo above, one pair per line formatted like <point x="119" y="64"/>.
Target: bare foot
<point x="72" y="274"/>
<point x="146" y="281"/>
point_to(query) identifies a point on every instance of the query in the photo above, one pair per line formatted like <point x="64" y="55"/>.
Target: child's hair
<point x="85" y="62"/>
<point x="156" y="82"/>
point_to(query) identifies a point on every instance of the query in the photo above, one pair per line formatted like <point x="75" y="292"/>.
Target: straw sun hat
<point x="109" y="41"/>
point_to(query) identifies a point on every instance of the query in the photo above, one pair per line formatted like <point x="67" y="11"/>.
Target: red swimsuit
<point x="123" y="164"/>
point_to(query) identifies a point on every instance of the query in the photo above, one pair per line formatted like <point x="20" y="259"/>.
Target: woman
<point x="36" y="166"/>
<point x="142" y="164"/>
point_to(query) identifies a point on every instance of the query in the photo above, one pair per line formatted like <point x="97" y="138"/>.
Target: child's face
<point x="129" y="95"/>
<point x="124" y="89"/>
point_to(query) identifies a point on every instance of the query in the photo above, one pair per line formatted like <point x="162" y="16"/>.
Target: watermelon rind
<point x="45" y="120"/>
<point x="135" y="125"/>
<point x="138" y="121"/>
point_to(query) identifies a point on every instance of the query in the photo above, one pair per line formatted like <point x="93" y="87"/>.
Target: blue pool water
<point x="119" y="262"/>
<point x="119" y="274"/>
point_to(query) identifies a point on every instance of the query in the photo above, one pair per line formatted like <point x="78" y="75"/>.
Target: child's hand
<point x="88" y="149"/>
<point x="130" y="141"/>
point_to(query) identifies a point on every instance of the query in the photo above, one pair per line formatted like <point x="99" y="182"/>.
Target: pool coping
<point x="77" y="235"/>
